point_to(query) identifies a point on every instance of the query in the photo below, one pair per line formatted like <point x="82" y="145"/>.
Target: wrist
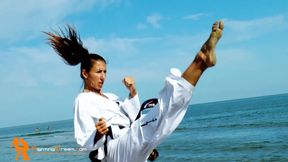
<point x="132" y="93"/>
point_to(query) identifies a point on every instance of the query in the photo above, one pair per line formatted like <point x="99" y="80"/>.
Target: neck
<point x="89" y="90"/>
<point x="98" y="93"/>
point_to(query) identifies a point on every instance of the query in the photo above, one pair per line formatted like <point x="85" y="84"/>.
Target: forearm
<point x="132" y="93"/>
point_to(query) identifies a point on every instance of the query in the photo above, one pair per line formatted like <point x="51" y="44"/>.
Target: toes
<point x="221" y="25"/>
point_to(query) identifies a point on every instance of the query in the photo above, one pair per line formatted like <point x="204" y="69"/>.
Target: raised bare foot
<point x="207" y="52"/>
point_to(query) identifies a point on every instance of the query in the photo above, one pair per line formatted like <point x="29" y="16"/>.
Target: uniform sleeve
<point x="84" y="127"/>
<point x="131" y="107"/>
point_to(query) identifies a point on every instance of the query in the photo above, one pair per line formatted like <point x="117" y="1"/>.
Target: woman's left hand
<point x="130" y="84"/>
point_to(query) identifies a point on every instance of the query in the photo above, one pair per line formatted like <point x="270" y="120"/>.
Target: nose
<point x="103" y="75"/>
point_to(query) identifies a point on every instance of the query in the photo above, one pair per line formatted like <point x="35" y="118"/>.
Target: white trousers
<point x="151" y="129"/>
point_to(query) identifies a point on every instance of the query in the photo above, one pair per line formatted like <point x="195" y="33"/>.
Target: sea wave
<point x="32" y="134"/>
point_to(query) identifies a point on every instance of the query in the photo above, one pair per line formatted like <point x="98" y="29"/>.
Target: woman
<point x="103" y="125"/>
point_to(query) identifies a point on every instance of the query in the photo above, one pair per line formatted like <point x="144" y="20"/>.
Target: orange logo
<point x="20" y="150"/>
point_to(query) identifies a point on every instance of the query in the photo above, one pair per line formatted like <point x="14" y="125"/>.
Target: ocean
<point x="250" y="129"/>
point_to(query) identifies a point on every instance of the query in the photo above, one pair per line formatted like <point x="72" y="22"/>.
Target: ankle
<point x="201" y="61"/>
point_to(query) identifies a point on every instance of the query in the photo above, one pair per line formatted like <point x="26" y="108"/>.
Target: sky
<point x="138" y="38"/>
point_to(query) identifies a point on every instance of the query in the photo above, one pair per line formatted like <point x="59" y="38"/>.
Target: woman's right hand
<point x="101" y="127"/>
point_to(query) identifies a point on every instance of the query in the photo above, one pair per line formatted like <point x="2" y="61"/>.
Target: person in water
<point x="108" y="126"/>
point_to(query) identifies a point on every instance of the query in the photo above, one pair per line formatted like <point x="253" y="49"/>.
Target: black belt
<point x="93" y="154"/>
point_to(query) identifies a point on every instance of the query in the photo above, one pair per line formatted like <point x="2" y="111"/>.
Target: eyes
<point x="99" y="67"/>
<point x="101" y="71"/>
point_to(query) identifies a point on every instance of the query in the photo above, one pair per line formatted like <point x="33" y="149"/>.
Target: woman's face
<point x="95" y="78"/>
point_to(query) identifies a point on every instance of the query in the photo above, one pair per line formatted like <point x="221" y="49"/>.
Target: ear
<point x="84" y="74"/>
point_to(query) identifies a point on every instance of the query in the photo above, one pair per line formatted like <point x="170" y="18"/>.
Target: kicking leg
<point x="150" y="130"/>
<point x="206" y="57"/>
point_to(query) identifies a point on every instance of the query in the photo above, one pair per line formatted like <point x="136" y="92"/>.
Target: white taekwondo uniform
<point x="133" y="143"/>
<point x="90" y="107"/>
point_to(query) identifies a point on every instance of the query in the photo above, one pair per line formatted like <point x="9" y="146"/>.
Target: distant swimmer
<point x="107" y="126"/>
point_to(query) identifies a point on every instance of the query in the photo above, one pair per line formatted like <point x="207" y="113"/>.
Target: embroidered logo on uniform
<point x="146" y="123"/>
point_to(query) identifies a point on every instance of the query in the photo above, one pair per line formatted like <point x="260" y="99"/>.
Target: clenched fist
<point x="101" y="127"/>
<point x="130" y="84"/>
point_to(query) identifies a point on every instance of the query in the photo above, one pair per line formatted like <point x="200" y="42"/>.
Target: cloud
<point x="141" y="26"/>
<point x="21" y="77"/>
<point x="111" y="45"/>
<point x="116" y="47"/>
<point x="15" y="69"/>
<point x="249" y="29"/>
<point x="39" y="54"/>
<point x="33" y="66"/>
<point x="106" y="3"/>
<point x="21" y="20"/>
<point x="194" y="16"/>
<point x="232" y="56"/>
<point x="154" y="20"/>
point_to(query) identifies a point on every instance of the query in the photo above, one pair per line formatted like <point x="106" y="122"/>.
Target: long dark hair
<point x="70" y="48"/>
